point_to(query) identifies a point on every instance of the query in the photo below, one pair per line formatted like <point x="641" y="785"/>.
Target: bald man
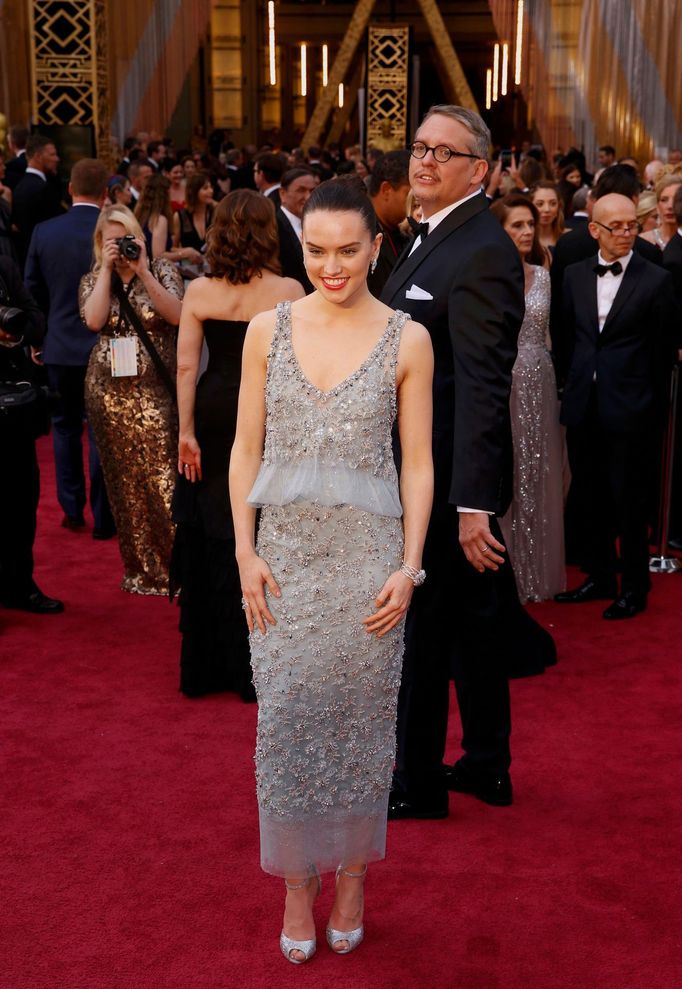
<point x="619" y="311"/>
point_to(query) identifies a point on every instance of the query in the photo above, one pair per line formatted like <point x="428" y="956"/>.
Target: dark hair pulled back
<point x="337" y="196"/>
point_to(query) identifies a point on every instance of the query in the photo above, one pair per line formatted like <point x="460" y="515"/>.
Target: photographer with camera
<point x="130" y="393"/>
<point x="23" y="417"/>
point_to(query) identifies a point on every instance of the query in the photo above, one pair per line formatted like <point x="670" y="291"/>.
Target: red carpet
<point x="129" y="824"/>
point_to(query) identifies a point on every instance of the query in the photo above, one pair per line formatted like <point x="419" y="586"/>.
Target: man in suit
<point x="579" y="205"/>
<point x="156" y="152"/>
<point x="60" y="253"/>
<point x="268" y="170"/>
<point x="129" y="145"/>
<point x="462" y="278"/>
<point x="578" y="244"/>
<point x="296" y="187"/>
<point x="20" y="487"/>
<point x="388" y="186"/>
<point x="36" y="197"/>
<point x="16" y="166"/>
<point x="672" y="262"/>
<point x="138" y="173"/>
<point x="619" y="310"/>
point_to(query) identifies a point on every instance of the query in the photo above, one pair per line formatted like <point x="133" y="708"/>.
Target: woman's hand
<point x="139" y="265"/>
<point x="110" y="254"/>
<point x="191" y="254"/>
<point x="254" y="573"/>
<point x="392" y="603"/>
<point x="189" y="458"/>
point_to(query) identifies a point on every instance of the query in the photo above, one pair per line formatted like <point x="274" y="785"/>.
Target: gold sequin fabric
<point x="327" y="691"/>
<point x="533" y="527"/>
<point x="135" y="426"/>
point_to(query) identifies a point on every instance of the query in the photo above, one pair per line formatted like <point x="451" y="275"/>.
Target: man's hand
<point x="478" y="542"/>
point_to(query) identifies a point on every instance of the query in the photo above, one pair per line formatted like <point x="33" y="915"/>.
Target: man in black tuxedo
<point x="16" y="166"/>
<point x="388" y="187"/>
<point x="60" y="253"/>
<point x="672" y="262"/>
<point x="268" y="170"/>
<point x="620" y="313"/>
<point x="297" y="185"/>
<point x="20" y="487"/>
<point x="579" y="244"/>
<point x="36" y="197"/>
<point x="462" y="278"/>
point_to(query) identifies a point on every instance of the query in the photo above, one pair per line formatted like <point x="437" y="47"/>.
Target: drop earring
<point x="373" y="265"/>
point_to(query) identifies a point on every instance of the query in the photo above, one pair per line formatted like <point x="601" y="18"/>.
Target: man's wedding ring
<point x="485" y="549"/>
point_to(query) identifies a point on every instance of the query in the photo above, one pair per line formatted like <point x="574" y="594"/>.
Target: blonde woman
<point x="128" y="404"/>
<point x="666" y="187"/>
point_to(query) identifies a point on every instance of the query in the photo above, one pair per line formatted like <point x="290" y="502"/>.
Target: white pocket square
<point x="417" y="293"/>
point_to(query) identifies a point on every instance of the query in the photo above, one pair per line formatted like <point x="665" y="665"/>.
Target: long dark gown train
<point x="215" y="646"/>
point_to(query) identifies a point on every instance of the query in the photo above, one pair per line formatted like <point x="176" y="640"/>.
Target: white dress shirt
<point x="438" y="217"/>
<point x="294" y="221"/>
<point x="36" y="171"/>
<point x="271" y="188"/>
<point x="607" y="287"/>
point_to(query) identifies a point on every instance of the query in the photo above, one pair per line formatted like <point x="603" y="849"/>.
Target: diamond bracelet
<point x="416" y="576"/>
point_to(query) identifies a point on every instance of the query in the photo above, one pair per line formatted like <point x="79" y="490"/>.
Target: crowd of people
<point x="416" y="367"/>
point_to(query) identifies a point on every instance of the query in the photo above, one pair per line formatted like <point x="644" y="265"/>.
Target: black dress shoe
<point x="626" y="606"/>
<point x="494" y="790"/>
<point x="36" y="602"/>
<point x="103" y="533"/>
<point x="73" y="522"/>
<point x="589" y="590"/>
<point x="402" y="808"/>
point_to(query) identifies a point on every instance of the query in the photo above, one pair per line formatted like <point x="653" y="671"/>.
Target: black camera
<point x="127" y="247"/>
<point x="12" y="320"/>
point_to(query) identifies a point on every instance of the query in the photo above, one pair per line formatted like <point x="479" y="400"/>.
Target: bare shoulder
<point x="292" y="290"/>
<point x="416" y="337"/>
<point x="260" y="331"/>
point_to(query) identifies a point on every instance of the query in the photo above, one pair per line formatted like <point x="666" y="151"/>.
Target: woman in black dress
<point x="244" y="280"/>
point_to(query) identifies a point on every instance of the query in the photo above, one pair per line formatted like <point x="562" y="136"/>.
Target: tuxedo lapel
<point x="625" y="290"/>
<point x="408" y="263"/>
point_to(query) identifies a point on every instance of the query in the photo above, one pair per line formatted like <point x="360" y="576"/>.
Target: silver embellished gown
<point x="331" y="531"/>
<point x="533" y="527"/>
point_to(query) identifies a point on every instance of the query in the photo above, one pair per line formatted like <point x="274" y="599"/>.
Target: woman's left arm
<point x="415" y="414"/>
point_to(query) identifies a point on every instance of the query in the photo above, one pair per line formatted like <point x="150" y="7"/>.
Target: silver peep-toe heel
<point x="289" y="944"/>
<point x="355" y="937"/>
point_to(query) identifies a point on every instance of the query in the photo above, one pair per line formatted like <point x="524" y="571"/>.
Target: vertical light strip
<point x="340" y="94"/>
<point x="488" y="88"/>
<point x="505" y="69"/>
<point x="325" y="64"/>
<point x="496" y="73"/>
<point x="519" y="43"/>
<point x="304" y="70"/>
<point x="271" y="42"/>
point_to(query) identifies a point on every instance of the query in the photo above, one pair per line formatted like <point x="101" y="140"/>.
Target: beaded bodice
<point x="330" y="446"/>
<point x="533" y="332"/>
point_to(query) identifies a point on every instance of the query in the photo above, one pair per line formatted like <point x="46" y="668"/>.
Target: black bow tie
<point x="614" y="268"/>
<point x="422" y="231"/>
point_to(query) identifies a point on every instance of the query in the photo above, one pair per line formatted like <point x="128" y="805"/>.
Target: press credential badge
<point x="123" y="356"/>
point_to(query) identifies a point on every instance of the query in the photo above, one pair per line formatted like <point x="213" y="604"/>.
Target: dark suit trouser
<point x="19" y="493"/>
<point x="457" y="621"/>
<point x="614" y="471"/>
<point x="67" y="438"/>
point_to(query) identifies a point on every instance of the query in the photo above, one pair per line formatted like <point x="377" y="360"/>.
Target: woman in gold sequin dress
<point x="338" y="555"/>
<point x="134" y="418"/>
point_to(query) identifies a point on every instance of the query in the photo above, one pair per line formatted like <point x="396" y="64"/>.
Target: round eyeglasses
<point x="622" y="228"/>
<point x="441" y="152"/>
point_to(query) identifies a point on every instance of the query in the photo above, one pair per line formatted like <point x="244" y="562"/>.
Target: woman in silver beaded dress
<point x="327" y="586"/>
<point x="534" y="525"/>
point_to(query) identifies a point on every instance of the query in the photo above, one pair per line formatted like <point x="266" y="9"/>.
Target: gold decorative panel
<point x="387" y="87"/>
<point x="69" y="58"/>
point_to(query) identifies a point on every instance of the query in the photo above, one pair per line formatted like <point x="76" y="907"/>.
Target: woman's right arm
<point x="190" y="339"/>
<point x="245" y="460"/>
<point x="98" y="304"/>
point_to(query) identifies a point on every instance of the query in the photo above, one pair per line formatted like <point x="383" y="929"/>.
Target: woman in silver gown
<point x="534" y="525"/>
<point x="327" y="586"/>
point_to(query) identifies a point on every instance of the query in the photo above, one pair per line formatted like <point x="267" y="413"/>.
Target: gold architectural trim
<point x="461" y="91"/>
<point x="387" y="87"/>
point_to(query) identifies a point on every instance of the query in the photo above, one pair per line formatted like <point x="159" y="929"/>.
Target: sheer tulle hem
<point x="296" y="847"/>
<point x="325" y="484"/>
